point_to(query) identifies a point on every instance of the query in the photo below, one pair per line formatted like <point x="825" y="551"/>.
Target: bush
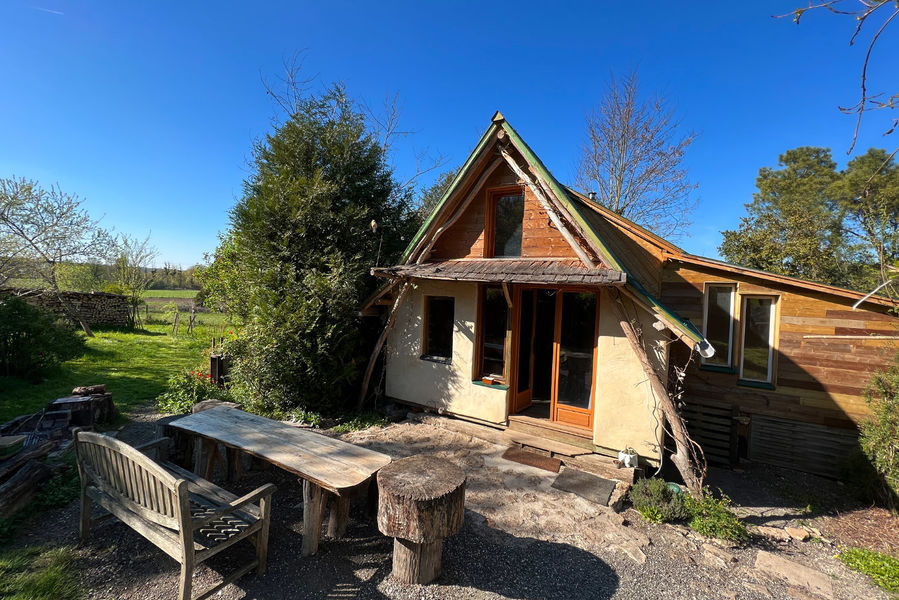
<point x="657" y="502"/>
<point x="880" y="431"/>
<point x="363" y="421"/>
<point x="883" y="569"/>
<point x="186" y="389"/>
<point x="712" y="517"/>
<point x="32" y="340"/>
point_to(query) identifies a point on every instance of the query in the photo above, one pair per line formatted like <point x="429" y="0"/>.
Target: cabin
<point x="522" y="303"/>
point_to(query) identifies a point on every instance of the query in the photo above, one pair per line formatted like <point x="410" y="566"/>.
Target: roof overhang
<point x="500" y="270"/>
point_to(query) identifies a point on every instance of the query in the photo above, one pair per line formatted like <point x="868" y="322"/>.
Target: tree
<point x="293" y="267"/>
<point x="48" y="229"/>
<point x="793" y="225"/>
<point x="134" y="274"/>
<point x="431" y="195"/>
<point x="633" y="158"/>
<point x="868" y="195"/>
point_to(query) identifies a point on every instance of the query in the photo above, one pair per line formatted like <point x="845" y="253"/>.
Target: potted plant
<point x="628" y="457"/>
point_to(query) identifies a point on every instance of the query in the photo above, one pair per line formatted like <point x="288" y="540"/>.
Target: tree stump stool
<point x="421" y="502"/>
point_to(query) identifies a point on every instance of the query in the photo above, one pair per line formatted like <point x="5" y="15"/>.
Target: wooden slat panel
<point x="797" y="445"/>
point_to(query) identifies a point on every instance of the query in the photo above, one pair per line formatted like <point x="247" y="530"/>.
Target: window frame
<point x="426" y="322"/>
<point x="731" y="354"/>
<point x="772" y="340"/>
<point x="493" y="196"/>
<point x="478" y="362"/>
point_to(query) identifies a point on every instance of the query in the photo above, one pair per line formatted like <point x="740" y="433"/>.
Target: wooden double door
<point x="554" y="354"/>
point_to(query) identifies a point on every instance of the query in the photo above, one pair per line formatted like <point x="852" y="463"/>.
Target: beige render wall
<point x="435" y="385"/>
<point x="626" y="413"/>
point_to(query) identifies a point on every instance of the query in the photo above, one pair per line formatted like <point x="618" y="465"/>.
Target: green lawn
<point x="170" y="293"/>
<point x="134" y="365"/>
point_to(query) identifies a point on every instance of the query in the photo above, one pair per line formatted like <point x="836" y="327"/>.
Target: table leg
<point x="235" y="464"/>
<point x="340" y="515"/>
<point x="313" y="515"/>
<point x="211" y="449"/>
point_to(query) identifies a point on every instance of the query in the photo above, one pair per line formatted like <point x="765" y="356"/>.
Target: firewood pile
<point x="29" y="439"/>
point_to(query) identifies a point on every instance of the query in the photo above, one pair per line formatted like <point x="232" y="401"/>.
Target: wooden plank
<point x="330" y="463"/>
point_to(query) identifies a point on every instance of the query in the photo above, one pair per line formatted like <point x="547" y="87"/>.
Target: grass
<point x="170" y="293"/>
<point x="37" y="573"/>
<point x="134" y="365"/>
<point x="882" y="568"/>
<point x="363" y="421"/>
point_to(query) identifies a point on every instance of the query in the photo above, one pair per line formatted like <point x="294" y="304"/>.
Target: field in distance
<point x="170" y="293"/>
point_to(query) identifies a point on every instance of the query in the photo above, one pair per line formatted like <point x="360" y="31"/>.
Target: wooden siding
<point x="466" y="237"/>
<point x="817" y="380"/>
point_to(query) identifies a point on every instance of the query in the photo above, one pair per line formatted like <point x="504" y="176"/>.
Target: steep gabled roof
<point x="574" y="210"/>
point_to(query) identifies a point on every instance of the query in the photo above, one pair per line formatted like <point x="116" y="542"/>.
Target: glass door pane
<point x="576" y="342"/>
<point x="525" y="340"/>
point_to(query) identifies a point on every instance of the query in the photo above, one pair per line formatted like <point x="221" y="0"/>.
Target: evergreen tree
<point x="293" y="268"/>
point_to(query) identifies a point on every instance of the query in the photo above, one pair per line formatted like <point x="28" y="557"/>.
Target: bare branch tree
<point x="633" y="158"/>
<point x="48" y="229"/>
<point x="866" y="10"/>
<point x="134" y="272"/>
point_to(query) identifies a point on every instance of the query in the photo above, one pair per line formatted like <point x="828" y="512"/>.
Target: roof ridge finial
<point x="498" y="117"/>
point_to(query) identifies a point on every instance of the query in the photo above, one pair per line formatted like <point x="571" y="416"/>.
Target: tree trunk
<point x="72" y="315"/>
<point x="689" y="462"/>
<point x="363" y="391"/>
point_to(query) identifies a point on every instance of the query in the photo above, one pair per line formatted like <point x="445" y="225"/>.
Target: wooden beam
<point x="507" y="294"/>
<point x="688" y="458"/>
<point x="380" y="343"/>
<point x="553" y="216"/>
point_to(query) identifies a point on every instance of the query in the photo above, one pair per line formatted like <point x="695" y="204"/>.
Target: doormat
<point x="593" y="488"/>
<point x="533" y="459"/>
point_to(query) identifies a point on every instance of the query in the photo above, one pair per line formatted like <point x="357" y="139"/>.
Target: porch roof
<point x="507" y="270"/>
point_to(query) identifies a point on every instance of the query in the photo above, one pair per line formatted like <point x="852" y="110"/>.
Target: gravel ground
<point x="521" y="539"/>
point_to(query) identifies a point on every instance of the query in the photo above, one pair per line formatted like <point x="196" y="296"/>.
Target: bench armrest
<point x="264" y="491"/>
<point x="161" y="445"/>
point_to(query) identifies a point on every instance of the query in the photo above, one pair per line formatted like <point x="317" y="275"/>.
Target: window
<point x="757" y="316"/>
<point x="494" y="324"/>
<point x="438" y="339"/>
<point x="507" y="221"/>
<point x="718" y="323"/>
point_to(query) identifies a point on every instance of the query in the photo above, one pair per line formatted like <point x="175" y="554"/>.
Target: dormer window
<point x="505" y="219"/>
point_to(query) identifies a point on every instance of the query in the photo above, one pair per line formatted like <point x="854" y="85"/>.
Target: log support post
<point x="340" y="516"/>
<point x="688" y="457"/>
<point x="363" y="391"/>
<point x="313" y="513"/>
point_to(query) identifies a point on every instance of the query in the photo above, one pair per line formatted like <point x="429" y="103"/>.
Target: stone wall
<point x="95" y="308"/>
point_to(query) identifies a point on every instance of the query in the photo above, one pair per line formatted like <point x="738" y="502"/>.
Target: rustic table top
<point x="332" y="464"/>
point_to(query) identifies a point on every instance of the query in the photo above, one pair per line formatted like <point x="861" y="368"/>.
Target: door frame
<point x="577" y="417"/>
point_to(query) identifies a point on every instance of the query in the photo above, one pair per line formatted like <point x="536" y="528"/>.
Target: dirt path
<point x="521" y="539"/>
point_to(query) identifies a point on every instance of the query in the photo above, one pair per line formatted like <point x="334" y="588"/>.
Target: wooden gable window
<point x="493" y="326"/>
<point x="505" y="221"/>
<point x="718" y="323"/>
<point x="438" y="328"/>
<point x="757" y="340"/>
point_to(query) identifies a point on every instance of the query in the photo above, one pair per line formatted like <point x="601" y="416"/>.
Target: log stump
<point x="421" y="501"/>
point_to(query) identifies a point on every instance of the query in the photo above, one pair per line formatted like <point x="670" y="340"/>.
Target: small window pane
<point x="757" y="339"/>
<point x="439" y="336"/>
<point x="509" y="219"/>
<point x="495" y="316"/>
<point x="719" y="323"/>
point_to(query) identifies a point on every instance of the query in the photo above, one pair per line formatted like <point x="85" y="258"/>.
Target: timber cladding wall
<point x="825" y="354"/>
<point x="95" y="308"/>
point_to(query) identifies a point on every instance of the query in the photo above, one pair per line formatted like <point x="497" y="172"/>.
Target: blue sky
<point x="148" y="110"/>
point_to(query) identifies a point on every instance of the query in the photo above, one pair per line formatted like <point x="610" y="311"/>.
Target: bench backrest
<point x="130" y="478"/>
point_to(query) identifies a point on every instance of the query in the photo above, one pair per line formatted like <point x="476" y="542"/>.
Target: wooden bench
<point x="187" y="517"/>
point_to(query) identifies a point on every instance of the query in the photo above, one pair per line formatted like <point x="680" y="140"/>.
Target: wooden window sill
<point x="718" y="369"/>
<point x="761" y="385"/>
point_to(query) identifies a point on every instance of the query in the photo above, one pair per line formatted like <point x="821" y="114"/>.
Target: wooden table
<point x="323" y="464"/>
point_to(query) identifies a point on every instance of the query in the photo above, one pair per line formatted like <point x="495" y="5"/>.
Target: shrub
<point x="883" y="569"/>
<point x="657" y="502"/>
<point x="712" y="517"/>
<point x="880" y="431"/>
<point x="32" y="340"/>
<point x="187" y="388"/>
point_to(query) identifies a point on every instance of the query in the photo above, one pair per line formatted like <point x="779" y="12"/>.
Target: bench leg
<point x="85" y="525"/>
<point x="340" y="515"/>
<point x="313" y="515"/>
<point x="184" y="584"/>
<point x="265" y="513"/>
